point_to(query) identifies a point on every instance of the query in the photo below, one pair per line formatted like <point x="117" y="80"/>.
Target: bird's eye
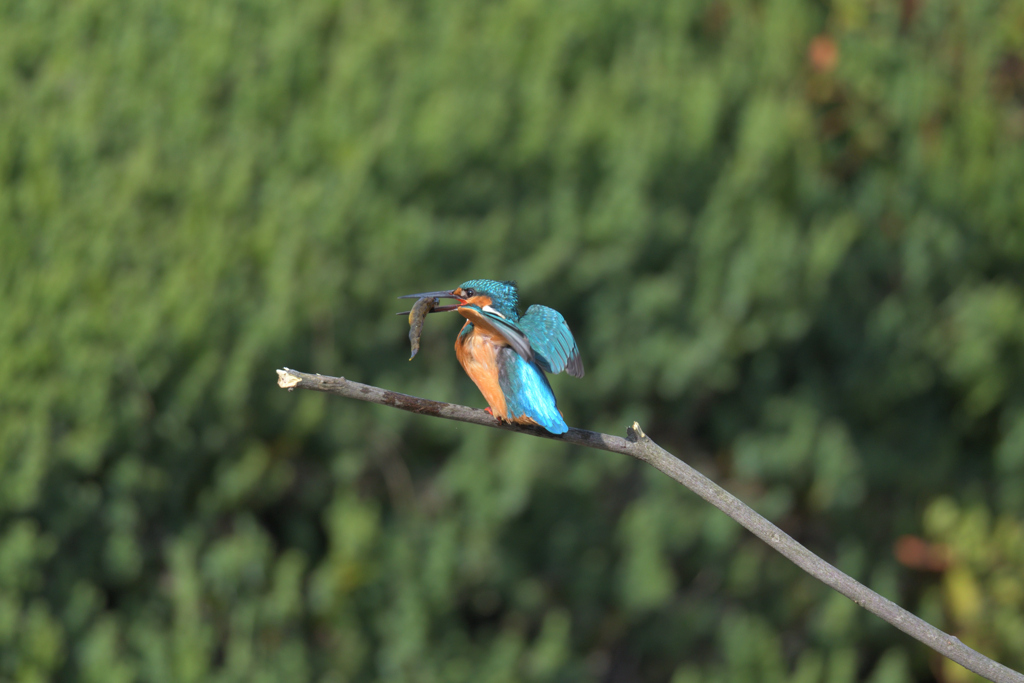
<point x="470" y="293"/>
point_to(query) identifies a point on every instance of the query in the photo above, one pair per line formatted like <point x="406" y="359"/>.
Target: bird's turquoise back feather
<point x="527" y="392"/>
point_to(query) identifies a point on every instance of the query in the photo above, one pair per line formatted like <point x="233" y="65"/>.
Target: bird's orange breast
<point x="477" y="351"/>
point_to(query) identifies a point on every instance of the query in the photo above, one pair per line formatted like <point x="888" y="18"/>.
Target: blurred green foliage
<point x="983" y="584"/>
<point x="788" y="237"/>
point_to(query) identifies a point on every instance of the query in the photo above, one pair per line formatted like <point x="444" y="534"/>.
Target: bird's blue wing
<point x="515" y="337"/>
<point x="551" y="341"/>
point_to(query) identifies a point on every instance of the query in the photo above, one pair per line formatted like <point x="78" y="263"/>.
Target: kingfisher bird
<point x="506" y="355"/>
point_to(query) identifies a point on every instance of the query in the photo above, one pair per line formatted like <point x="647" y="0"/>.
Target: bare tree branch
<point x="639" y="446"/>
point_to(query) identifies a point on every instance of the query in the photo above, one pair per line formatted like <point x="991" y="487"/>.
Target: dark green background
<point x="787" y="234"/>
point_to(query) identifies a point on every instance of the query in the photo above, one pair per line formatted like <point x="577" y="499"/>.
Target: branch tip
<point x="286" y="380"/>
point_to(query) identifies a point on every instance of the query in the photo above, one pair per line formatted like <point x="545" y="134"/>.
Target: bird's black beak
<point x="448" y="294"/>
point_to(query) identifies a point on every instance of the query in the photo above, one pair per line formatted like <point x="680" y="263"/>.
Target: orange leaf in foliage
<point x="917" y="553"/>
<point x="823" y="53"/>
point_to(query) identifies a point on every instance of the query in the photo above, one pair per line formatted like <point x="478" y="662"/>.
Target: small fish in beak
<point x="416" y="317"/>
